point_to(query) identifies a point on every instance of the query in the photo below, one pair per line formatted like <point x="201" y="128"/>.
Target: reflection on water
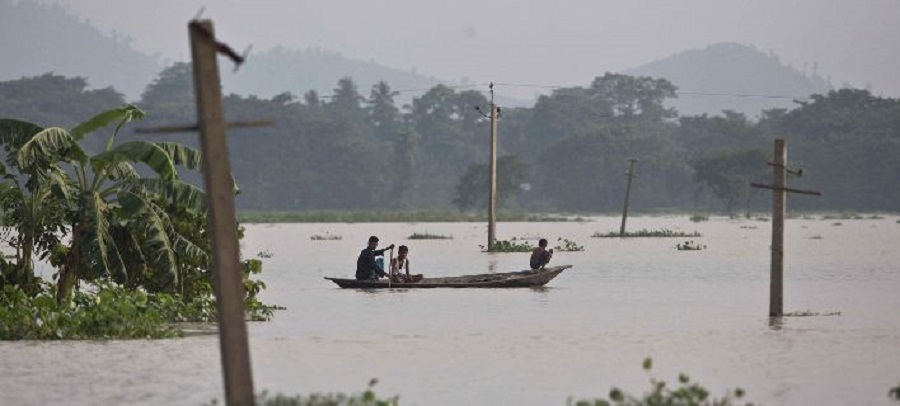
<point x="775" y="323"/>
<point x="704" y="313"/>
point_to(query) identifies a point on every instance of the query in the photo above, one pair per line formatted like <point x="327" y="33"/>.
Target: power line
<point x="680" y="93"/>
<point x="556" y="87"/>
<point x="422" y="89"/>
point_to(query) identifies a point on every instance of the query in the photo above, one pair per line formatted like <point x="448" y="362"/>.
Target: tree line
<point x="357" y="149"/>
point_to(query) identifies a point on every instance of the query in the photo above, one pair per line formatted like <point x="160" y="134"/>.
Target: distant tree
<point x="474" y="186"/>
<point x="383" y="114"/>
<point x="702" y="135"/>
<point x="728" y="175"/>
<point x="54" y="99"/>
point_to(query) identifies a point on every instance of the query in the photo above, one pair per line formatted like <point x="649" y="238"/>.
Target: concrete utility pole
<point x="631" y="175"/>
<point x="492" y="205"/>
<point x="779" y="200"/>
<point x="779" y="207"/>
<point x="229" y="288"/>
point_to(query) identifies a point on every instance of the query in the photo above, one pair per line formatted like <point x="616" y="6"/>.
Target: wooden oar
<point x="391" y="266"/>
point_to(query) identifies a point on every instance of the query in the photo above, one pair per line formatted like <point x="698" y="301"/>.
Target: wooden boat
<point x="521" y="279"/>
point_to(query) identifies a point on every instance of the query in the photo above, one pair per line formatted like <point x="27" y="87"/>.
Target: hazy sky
<point x="564" y="42"/>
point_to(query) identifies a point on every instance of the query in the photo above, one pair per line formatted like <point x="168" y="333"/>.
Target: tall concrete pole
<point x="492" y="205"/>
<point x="630" y="174"/>
<point x="779" y="202"/>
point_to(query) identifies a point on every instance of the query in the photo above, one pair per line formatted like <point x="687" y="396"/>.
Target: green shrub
<point x="113" y="312"/>
<point x="366" y="398"/>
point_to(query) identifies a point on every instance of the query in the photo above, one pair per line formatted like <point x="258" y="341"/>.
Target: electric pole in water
<point x="492" y="205"/>
<point x="631" y="175"/>
<point x="779" y="202"/>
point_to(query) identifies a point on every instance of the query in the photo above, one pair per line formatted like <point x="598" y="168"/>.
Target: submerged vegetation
<point x="509" y="246"/>
<point x="429" y="236"/>
<point x="696" y="218"/>
<point x="810" y="313"/>
<point x="647" y="233"/>
<point x="391" y="216"/>
<point x="689" y="246"/>
<point x="326" y="237"/>
<point x="565" y="244"/>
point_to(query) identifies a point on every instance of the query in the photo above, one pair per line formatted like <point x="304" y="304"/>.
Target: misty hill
<point x="280" y="70"/>
<point x="37" y="39"/>
<point x="730" y="68"/>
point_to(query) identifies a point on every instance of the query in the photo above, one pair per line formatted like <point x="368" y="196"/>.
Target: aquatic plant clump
<point x="696" y="218"/>
<point x="647" y="233"/>
<point x="689" y="246"/>
<point x="509" y="246"/>
<point x="325" y="237"/>
<point x="428" y="236"/>
<point x="565" y="244"/>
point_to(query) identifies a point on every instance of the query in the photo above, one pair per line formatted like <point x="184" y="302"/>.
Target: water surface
<point x="700" y="312"/>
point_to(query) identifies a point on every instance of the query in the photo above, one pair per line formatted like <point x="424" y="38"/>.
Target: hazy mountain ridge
<point x="36" y="39"/>
<point x="732" y="69"/>
<point x="73" y="47"/>
<point x="280" y="70"/>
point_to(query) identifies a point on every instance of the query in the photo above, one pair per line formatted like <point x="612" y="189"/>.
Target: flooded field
<point x="699" y="312"/>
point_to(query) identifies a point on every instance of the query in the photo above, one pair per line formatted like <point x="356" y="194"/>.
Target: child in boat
<point x="401" y="263"/>
<point x="540" y="256"/>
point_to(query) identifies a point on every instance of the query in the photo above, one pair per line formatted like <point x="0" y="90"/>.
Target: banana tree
<point x="118" y="219"/>
<point x="31" y="221"/>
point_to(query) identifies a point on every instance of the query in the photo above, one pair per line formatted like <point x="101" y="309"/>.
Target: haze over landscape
<point x="374" y="124"/>
<point x="567" y="43"/>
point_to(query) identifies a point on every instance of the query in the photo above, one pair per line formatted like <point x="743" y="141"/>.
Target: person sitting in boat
<point x="401" y="263"/>
<point x="366" y="268"/>
<point x="540" y="256"/>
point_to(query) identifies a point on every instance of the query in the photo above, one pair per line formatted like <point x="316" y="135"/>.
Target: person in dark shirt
<point x="540" y="256"/>
<point x="366" y="269"/>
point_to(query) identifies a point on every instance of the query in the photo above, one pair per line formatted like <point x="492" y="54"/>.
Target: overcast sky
<point x="560" y="42"/>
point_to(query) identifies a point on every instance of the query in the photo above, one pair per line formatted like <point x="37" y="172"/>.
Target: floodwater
<point x="699" y="312"/>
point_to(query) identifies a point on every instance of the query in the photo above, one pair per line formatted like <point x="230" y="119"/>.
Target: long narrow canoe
<point x="521" y="279"/>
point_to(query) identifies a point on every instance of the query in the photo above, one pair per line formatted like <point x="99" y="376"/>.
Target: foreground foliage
<point x="113" y="312"/>
<point x="686" y="393"/>
<point x="366" y="398"/>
